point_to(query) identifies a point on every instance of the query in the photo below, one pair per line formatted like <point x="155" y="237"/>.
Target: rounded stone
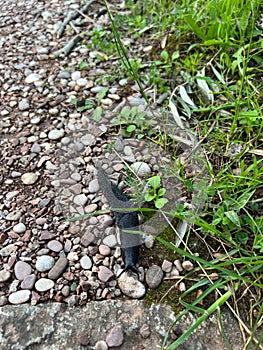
<point x="86" y="262"/>
<point x="28" y="282"/>
<point x="167" y="266"/>
<point x="29" y="178"/>
<point x="104" y="250"/>
<point x="82" y="82"/>
<point x="80" y="199"/>
<point x="44" y="284"/>
<point x="75" y="75"/>
<point x="44" y="263"/>
<point x="115" y="337"/>
<point x="4" y="275"/>
<point x="187" y="265"/>
<point x="32" y="78"/>
<point x="23" y="105"/>
<point x="55" y="246"/>
<point x="94" y="186"/>
<point x="104" y="274"/>
<point x="130" y="286"/>
<point x="142" y="169"/>
<point x="13" y="216"/>
<point x="19" y="228"/>
<point x="19" y="297"/>
<point x="154" y="276"/>
<point x="56" y="134"/>
<point x="101" y="345"/>
<point x="22" y="269"/>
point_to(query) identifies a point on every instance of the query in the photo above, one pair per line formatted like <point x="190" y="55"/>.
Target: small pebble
<point x="28" y="282"/>
<point x="178" y="265"/>
<point x="55" y="246"/>
<point x="19" y="228"/>
<point x="142" y="169"/>
<point x="22" y="269"/>
<point x="4" y="275"/>
<point x="115" y="337"/>
<point x="104" y="250"/>
<point x="58" y="268"/>
<point x="44" y="263"/>
<point x="104" y="274"/>
<point x="85" y="262"/>
<point x="13" y="216"/>
<point x="101" y="345"/>
<point x="93" y="186"/>
<point x="23" y="105"/>
<point x="187" y="265"/>
<point x="32" y="78"/>
<point x="130" y="286"/>
<point x="167" y="266"/>
<point x="29" y="178"/>
<point x="19" y="297"/>
<point x="154" y="276"/>
<point x="44" y="284"/>
<point x="56" y="134"/>
<point x="80" y="199"/>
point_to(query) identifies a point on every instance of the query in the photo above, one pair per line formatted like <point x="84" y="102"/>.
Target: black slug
<point x="125" y="220"/>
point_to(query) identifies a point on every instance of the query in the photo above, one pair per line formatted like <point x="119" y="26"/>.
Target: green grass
<point x="208" y="56"/>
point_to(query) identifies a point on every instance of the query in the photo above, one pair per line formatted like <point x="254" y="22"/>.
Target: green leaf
<point x="82" y="65"/>
<point x="233" y="217"/>
<point x="165" y="55"/>
<point x="161" y="192"/>
<point x="160" y="202"/>
<point x="97" y="114"/>
<point x="149" y="197"/>
<point x="155" y="181"/>
<point x="88" y="105"/>
<point x="131" y="128"/>
<point x="102" y="94"/>
<point x="175" y="55"/>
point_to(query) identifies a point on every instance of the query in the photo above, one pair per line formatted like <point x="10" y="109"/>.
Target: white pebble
<point x="85" y="262"/>
<point x="19" y="228"/>
<point x="19" y="297"/>
<point x="44" y="284"/>
<point x="29" y="178"/>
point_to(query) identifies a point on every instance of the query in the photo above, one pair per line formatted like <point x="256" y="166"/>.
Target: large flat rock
<point x="57" y="326"/>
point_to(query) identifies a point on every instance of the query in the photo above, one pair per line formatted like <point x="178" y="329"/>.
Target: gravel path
<point x="48" y="156"/>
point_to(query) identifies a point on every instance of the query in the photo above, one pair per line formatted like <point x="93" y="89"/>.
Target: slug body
<point x="125" y="220"/>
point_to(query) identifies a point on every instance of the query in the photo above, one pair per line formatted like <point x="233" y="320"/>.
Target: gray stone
<point x="44" y="263"/>
<point x="142" y="169"/>
<point x="28" y="282"/>
<point x="59" y="267"/>
<point x="80" y="199"/>
<point x="88" y="140"/>
<point x="23" y="105"/>
<point x="82" y="82"/>
<point x="167" y="266"/>
<point x="19" y="228"/>
<point x="115" y="337"/>
<point x="154" y="276"/>
<point x="19" y="297"/>
<point x="22" y="269"/>
<point x="93" y="186"/>
<point x="55" y="245"/>
<point x="32" y="78"/>
<point x="29" y="178"/>
<point x="13" y="216"/>
<point x="8" y="250"/>
<point x="56" y="134"/>
<point x="44" y="284"/>
<point x="110" y="241"/>
<point x="4" y="275"/>
<point x="130" y="286"/>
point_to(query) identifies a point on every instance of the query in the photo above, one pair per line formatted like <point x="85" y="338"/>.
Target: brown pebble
<point x="83" y="339"/>
<point x="58" y="268"/>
